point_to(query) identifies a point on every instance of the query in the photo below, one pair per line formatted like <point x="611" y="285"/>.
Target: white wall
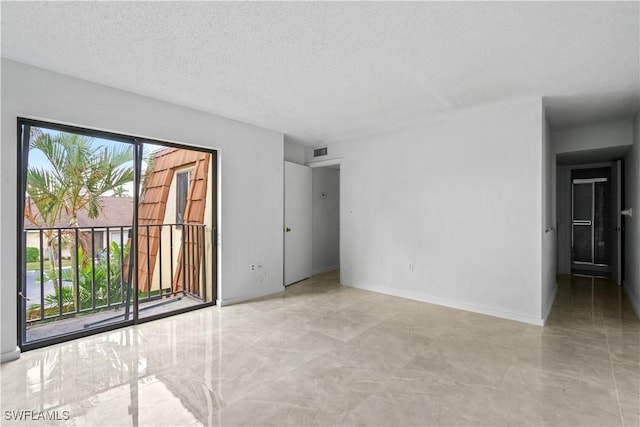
<point x="326" y="219"/>
<point x="549" y="232"/>
<point x="294" y="153"/>
<point x="592" y="137"/>
<point x="251" y="170"/>
<point x="460" y="198"/>
<point x="632" y="225"/>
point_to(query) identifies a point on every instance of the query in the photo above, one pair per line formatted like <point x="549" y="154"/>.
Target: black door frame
<point x="621" y="184"/>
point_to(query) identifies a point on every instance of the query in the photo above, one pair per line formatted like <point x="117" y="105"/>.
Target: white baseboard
<point x="450" y="303"/>
<point x="634" y="301"/>
<point x="242" y="298"/>
<point x="10" y="355"/>
<point x="324" y="269"/>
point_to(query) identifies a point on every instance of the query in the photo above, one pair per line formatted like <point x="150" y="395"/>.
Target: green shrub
<point x="33" y="254"/>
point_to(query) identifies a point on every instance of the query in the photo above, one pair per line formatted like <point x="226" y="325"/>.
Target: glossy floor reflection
<point x="322" y="354"/>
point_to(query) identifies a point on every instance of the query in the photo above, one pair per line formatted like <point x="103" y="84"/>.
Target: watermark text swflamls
<point x="31" y="415"/>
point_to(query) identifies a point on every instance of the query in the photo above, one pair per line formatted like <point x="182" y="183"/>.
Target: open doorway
<point x="590" y="229"/>
<point x="326" y="220"/>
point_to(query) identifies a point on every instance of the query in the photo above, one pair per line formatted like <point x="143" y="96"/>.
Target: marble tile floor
<point x="322" y="354"/>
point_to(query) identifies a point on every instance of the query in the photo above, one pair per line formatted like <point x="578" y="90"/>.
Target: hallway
<point x="324" y="354"/>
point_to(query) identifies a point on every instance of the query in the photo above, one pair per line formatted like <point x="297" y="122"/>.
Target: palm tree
<point x="77" y="174"/>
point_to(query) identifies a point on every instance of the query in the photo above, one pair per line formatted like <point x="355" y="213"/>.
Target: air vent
<point x="320" y="152"/>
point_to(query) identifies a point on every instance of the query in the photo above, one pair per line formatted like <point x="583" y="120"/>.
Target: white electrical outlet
<point x="411" y="267"/>
<point x="253" y="267"/>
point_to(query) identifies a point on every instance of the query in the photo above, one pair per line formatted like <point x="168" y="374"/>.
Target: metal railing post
<point x="60" y="272"/>
<point x="108" y="255"/>
<point x="76" y="274"/>
<point x="171" y="256"/>
<point x="148" y="265"/>
<point x="93" y="269"/>
<point x="41" y="275"/>
<point x="204" y="267"/>
<point x="160" y="257"/>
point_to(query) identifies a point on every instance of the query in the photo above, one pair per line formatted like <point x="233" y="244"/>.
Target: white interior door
<point x="616" y="222"/>
<point x="297" y="223"/>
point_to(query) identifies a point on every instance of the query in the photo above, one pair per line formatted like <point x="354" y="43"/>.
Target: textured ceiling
<point x="326" y="71"/>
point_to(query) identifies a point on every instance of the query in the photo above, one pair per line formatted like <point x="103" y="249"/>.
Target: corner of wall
<point x="548" y="247"/>
<point x="292" y="152"/>
<point x="635" y="302"/>
<point x="548" y="304"/>
<point x="10" y="355"/>
<point x="631" y="283"/>
<point x="248" y="297"/>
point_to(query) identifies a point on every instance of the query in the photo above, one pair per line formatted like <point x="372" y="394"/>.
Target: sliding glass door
<point x="113" y="230"/>
<point x="591" y="224"/>
<point x="176" y="219"/>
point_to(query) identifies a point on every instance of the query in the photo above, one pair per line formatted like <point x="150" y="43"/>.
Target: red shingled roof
<point x="116" y="211"/>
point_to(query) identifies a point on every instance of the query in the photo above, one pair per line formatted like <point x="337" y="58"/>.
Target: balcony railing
<point x="85" y="270"/>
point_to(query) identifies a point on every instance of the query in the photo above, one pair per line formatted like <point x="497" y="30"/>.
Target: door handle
<point x="287" y="229"/>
